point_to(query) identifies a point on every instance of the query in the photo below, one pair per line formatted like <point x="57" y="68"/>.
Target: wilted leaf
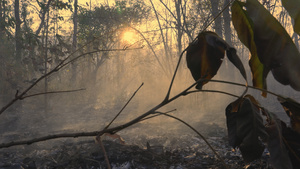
<point x="232" y="126"/>
<point x="246" y="129"/>
<point x="292" y="138"/>
<point x="292" y="108"/>
<point x="205" y="56"/>
<point x="235" y="60"/>
<point x="293" y="7"/>
<point x="114" y="138"/>
<point x="279" y="157"/>
<point x="275" y="49"/>
<point x="244" y="28"/>
<point x="297" y="24"/>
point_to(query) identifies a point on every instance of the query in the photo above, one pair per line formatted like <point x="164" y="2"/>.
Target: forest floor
<point x="140" y="150"/>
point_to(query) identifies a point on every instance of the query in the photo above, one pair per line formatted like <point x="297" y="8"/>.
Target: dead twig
<point x="124" y="106"/>
<point x="62" y="64"/>
<point x="147" y="118"/>
<point x="199" y="134"/>
<point x="212" y="91"/>
<point x="99" y="137"/>
<point x="99" y="140"/>
<point x="49" y="137"/>
<point x="51" y="92"/>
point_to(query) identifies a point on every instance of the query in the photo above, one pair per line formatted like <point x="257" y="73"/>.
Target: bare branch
<point x="52" y="92"/>
<point x="212" y="91"/>
<point x="124" y="106"/>
<point x="148" y="43"/>
<point x="49" y="137"/>
<point x="147" y="118"/>
<point x="185" y="123"/>
<point x="104" y="152"/>
<point x="55" y="69"/>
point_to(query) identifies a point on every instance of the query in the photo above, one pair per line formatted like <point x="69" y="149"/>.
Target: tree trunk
<point x="45" y="62"/>
<point x="218" y="21"/>
<point x="18" y="35"/>
<point x="74" y="43"/>
<point x="227" y="20"/>
<point x="178" y="4"/>
<point x="43" y="15"/>
<point x="2" y="17"/>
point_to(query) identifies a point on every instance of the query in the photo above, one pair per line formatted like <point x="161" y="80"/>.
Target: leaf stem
<point x="192" y="128"/>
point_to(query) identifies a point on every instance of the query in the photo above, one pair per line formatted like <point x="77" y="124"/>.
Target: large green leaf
<point x="293" y="7"/>
<point x="274" y="47"/>
<point x="244" y="28"/>
<point x="205" y="55"/>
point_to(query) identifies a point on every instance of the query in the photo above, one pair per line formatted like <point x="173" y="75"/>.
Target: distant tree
<point x="103" y="26"/>
<point x="215" y="11"/>
<point x="74" y="42"/>
<point x="18" y="34"/>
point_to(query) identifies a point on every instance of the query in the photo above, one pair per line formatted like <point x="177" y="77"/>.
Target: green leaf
<point x="205" y="56"/>
<point x="246" y="128"/>
<point x="293" y="7"/>
<point x="274" y="47"/>
<point x="244" y="27"/>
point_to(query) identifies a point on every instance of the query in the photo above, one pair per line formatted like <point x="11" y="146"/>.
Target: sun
<point x="129" y="37"/>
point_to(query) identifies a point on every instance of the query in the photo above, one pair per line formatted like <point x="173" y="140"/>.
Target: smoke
<point x="109" y="86"/>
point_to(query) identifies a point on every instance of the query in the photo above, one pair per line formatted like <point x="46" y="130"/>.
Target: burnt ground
<point x="141" y="150"/>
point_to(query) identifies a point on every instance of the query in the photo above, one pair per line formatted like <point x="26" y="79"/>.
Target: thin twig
<point x="252" y="87"/>
<point x="212" y="91"/>
<point x="156" y="115"/>
<point x="52" y="92"/>
<point x="96" y="51"/>
<point x="174" y="75"/>
<point x="99" y="140"/>
<point x="213" y="150"/>
<point x="99" y="137"/>
<point x="227" y="5"/>
<point x="151" y="48"/>
<point x="130" y="123"/>
<point x="49" y="137"/>
<point x="124" y="106"/>
<point x="55" y="69"/>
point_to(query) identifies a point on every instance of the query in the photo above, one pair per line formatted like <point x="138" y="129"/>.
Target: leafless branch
<point x="124" y="106"/>
<point x="148" y="43"/>
<point x="212" y="91"/>
<point x="51" y="92"/>
<point x="49" y="137"/>
<point x="156" y="115"/>
<point x="99" y="140"/>
<point x="199" y="134"/>
<point x="62" y="64"/>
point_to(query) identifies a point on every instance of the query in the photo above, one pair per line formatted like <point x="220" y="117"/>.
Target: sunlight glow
<point x="129" y="37"/>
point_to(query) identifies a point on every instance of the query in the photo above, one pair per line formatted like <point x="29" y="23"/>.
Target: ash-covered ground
<point x="169" y="149"/>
